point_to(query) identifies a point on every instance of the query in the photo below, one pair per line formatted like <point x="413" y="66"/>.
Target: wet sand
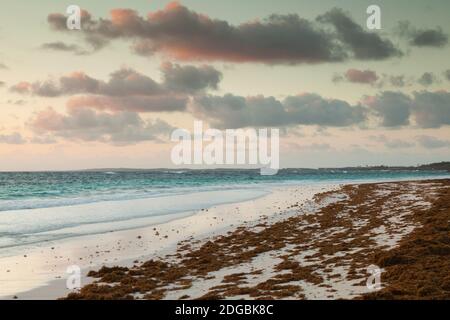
<point x="306" y="250"/>
<point x="39" y="272"/>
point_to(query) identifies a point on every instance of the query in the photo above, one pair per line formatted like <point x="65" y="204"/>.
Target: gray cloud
<point x="398" y="81"/>
<point x="447" y="74"/>
<point x="430" y="142"/>
<point x="127" y="82"/>
<point x="427" y="79"/>
<point x="392" y="143"/>
<point x="394" y="108"/>
<point x="61" y="46"/>
<point x="89" y="125"/>
<point x="231" y="111"/>
<point x="375" y="80"/>
<point x="428" y="109"/>
<point x="127" y="89"/>
<point x="189" y="78"/>
<point x="314" y="147"/>
<point x="398" y="144"/>
<point x="57" y="21"/>
<point x="432" y="109"/>
<point x="13" y="138"/>
<point x="435" y="38"/>
<point x="422" y="37"/>
<point x="337" y="78"/>
<point x="364" y="45"/>
<point x="122" y="82"/>
<point x="313" y="109"/>
<point x="278" y="39"/>
<point x="163" y="103"/>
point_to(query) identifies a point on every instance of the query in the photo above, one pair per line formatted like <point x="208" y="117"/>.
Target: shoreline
<point x="326" y="253"/>
<point x="131" y="247"/>
<point x="48" y="275"/>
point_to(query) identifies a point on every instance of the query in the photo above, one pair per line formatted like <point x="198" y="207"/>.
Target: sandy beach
<point x="312" y="242"/>
<point x="40" y="272"/>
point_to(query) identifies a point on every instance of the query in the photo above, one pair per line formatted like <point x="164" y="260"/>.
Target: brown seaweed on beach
<point x="366" y="224"/>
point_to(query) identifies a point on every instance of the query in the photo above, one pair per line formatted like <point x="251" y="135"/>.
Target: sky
<point x="110" y="94"/>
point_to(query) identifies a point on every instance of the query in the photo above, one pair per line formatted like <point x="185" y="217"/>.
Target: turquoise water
<point x="37" y="207"/>
<point x="28" y="190"/>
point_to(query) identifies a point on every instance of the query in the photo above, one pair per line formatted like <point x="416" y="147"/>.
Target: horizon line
<point x="226" y="168"/>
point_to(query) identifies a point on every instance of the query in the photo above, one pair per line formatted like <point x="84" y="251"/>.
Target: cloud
<point x="2" y="84"/>
<point x="430" y="142"/>
<point x="183" y="34"/>
<point x="432" y="109"/>
<point x="127" y="82"/>
<point x="13" y="138"/>
<point x="427" y="79"/>
<point x="394" y="108"/>
<point x="22" y="87"/>
<point x="447" y="74"/>
<point x="398" y="81"/>
<point x="357" y="76"/>
<point x="422" y="37"/>
<point x="398" y="144"/>
<point x="57" y="21"/>
<point x="364" y="45"/>
<point x="392" y="143"/>
<point x="43" y="139"/>
<point x="123" y="82"/>
<point x="434" y="38"/>
<point x="127" y="89"/>
<point x="314" y="147"/>
<point x="61" y="46"/>
<point x="189" y="78"/>
<point x="3" y="66"/>
<point x="165" y="103"/>
<point x="90" y="125"/>
<point x="18" y="102"/>
<point x="231" y="111"/>
<point x="428" y="109"/>
<point x="376" y="80"/>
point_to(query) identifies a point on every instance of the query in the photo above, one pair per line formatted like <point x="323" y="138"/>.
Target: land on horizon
<point x="443" y="165"/>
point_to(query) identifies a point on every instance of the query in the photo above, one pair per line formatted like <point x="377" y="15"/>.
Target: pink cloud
<point x="361" y="76"/>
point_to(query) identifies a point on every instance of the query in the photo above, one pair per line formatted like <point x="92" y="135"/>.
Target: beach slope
<point x="326" y="251"/>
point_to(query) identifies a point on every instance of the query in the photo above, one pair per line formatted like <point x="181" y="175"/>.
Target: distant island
<point x="438" y="166"/>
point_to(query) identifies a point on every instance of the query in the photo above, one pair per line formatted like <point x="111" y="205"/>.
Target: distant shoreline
<point x="438" y="166"/>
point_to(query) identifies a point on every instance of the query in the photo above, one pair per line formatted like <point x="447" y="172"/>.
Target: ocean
<point x="37" y="207"/>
